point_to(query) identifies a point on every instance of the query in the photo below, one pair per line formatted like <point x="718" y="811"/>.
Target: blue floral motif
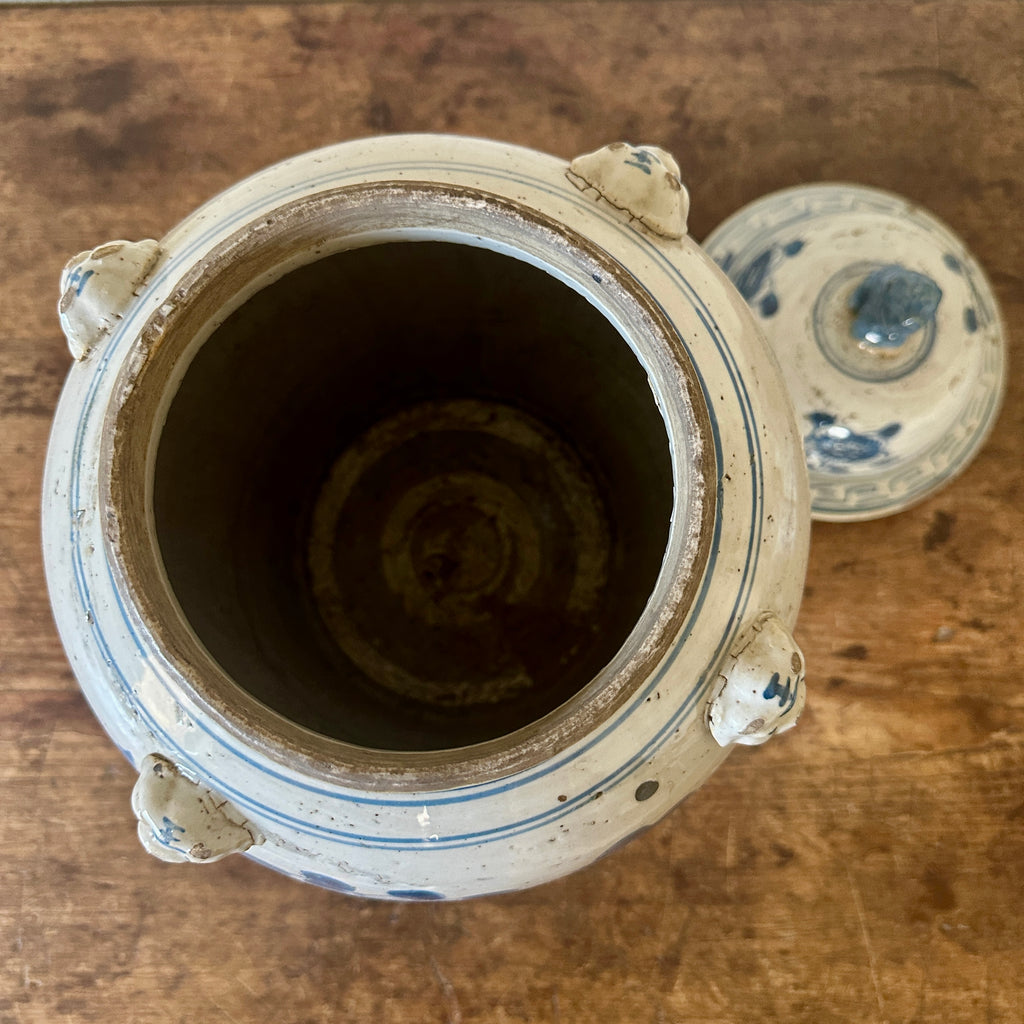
<point x="752" y="277"/>
<point x="754" y="281"/>
<point x="832" y="447"/>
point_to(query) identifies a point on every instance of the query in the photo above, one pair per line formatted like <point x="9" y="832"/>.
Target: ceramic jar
<point x="424" y="516"/>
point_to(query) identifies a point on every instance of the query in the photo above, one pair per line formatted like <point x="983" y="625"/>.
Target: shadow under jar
<point x="414" y="495"/>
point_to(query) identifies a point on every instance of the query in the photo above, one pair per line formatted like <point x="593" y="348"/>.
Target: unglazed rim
<point x="314" y="227"/>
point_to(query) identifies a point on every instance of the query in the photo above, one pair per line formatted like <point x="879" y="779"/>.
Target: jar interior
<point x="414" y="495"/>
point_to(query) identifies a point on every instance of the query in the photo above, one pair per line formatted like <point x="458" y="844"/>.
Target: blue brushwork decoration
<point x="642" y="159"/>
<point x="78" y="278"/>
<point x="890" y="304"/>
<point x="750" y="280"/>
<point x="726" y="261"/>
<point x="166" y="831"/>
<point x="415" y="894"/>
<point x="785" y="692"/>
<point x="327" y="882"/>
<point x="754" y="281"/>
<point x="832" y="447"/>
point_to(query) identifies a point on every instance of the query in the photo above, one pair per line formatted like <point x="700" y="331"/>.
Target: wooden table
<point x="869" y="866"/>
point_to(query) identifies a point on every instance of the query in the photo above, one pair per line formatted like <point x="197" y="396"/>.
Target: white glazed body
<point x="562" y="812"/>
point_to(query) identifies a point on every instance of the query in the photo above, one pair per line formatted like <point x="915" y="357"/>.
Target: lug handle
<point x="181" y="820"/>
<point x="760" y="691"/>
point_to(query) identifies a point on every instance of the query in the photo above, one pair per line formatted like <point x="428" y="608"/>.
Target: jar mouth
<point x="408" y="483"/>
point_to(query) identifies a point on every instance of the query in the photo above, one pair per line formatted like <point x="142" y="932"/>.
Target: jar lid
<point x="887" y="332"/>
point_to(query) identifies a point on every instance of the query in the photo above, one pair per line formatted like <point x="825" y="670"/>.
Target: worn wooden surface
<point x="869" y="866"/>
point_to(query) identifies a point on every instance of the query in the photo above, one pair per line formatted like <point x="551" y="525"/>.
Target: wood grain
<point x="867" y="867"/>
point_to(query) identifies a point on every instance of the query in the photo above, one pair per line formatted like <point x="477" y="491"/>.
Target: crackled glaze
<point x="641" y="182"/>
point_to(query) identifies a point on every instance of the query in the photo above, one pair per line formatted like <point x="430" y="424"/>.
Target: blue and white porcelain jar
<point x="424" y="516"/>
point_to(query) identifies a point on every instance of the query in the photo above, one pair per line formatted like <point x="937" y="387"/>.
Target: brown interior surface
<point x="414" y="496"/>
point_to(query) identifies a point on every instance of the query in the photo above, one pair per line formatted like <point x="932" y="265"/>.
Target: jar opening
<point x="409" y="482"/>
<point x="413" y="496"/>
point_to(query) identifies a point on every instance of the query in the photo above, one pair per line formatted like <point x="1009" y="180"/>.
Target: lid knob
<point x="892" y="303"/>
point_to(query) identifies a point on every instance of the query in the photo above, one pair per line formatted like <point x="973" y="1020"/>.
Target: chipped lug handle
<point x="639" y="181"/>
<point x="760" y="689"/>
<point x="183" y="821"/>
<point x="97" y="287"/>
